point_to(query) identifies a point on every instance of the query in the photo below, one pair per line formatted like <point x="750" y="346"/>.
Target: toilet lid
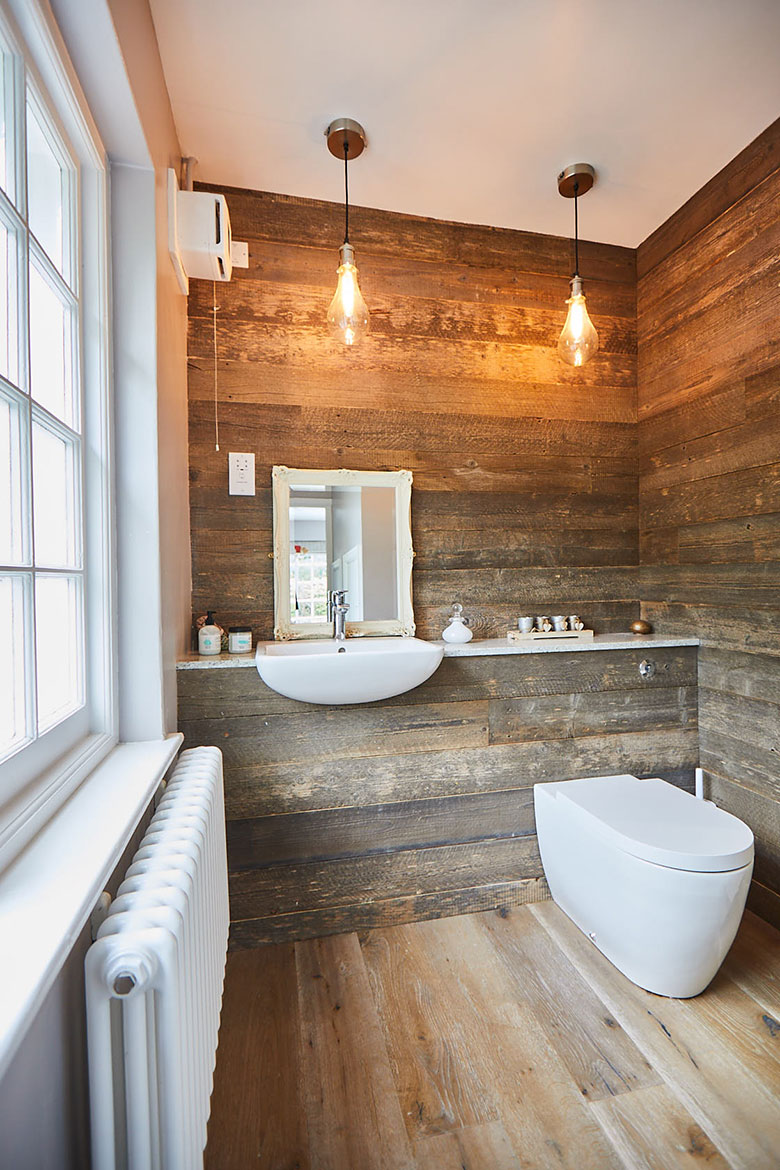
<point x="654" y="820"/>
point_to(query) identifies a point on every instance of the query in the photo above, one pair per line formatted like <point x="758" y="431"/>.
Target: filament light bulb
<point x="579" y="340"/>
<point x="348" y="316"/>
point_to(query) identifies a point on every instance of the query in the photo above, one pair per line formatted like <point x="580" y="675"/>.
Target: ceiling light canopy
<point x="579" y="340"/>
<point x="348" y="316"/>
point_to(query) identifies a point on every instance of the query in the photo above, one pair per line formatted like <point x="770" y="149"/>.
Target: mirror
<point x="342" y="530"/>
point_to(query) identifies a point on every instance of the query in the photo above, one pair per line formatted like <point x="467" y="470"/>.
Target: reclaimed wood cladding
<point x="709" y="431"/>
<point x="525" y="471"/>
<point x="422" y="806"/>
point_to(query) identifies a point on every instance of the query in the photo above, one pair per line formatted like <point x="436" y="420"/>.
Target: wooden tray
<point x="551" y="635"/>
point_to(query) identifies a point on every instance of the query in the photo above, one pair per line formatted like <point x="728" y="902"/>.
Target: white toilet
<point x="655" y="877"/>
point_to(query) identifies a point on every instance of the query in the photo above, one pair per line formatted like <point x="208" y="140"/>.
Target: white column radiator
<point x="154" y="980"/>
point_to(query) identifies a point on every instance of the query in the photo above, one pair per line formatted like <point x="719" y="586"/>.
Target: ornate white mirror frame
<point x="283" y="478"/>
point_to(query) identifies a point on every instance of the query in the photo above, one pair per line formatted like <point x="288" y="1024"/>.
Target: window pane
<point x="12" y="691"/>
<point x="44" y="190"/>
<point x="58" y="647"/>
<point x="3" y="120"/>
<point x="7" y="169"/>
<point x="50" y="349"/>
<point x="55" y="499"/>
<point x="9" y="364"/>
<point x="5" y="324"/>
<point x="14" y="543"/>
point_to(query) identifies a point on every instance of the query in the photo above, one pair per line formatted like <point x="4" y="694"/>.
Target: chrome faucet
<point x="338" y="608"/>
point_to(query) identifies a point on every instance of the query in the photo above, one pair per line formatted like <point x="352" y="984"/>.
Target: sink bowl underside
<point x="354" y="671"/>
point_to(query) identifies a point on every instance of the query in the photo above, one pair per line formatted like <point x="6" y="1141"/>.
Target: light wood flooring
<point x="492" y="1042"/>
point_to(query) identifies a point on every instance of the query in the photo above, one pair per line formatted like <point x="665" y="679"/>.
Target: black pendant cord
<point x="346" y="192"/>
<point x="576" y="233"/>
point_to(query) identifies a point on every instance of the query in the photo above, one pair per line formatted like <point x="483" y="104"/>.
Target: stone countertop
<point x="485" y="646"/>
<point x="479" y="647"/>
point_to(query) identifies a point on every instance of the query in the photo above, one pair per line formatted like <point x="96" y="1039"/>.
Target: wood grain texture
<point x="543" y="1112"/>
<point x="256" y="788"/>
<point x="432" y="1033"/>
<point x="358" y="816"/>
<point x="708" y="397"/>
<point x="759" y="809"/>
<point x="344" y="1065"/>
<point x="600" y="1058"/>
<point x="759" y="160"/>
<point x="299" y="221"/>
<point x="494" y="1042"/>
<point x="384" y="912"/>
<point x="519" y="462"/>
<point x="360" y="881"/>
<point x="651" y="1130"/>
<point x="206" y="694"/>
<point x="764" y="902"/>
<point x="259" y="1035"/>
<point x="570" y="716"/>
<point x="698" y="1060"/>
<point x="352" y="832"/>
<point x="753" y="963"/>
<point x="468" y="1149"/>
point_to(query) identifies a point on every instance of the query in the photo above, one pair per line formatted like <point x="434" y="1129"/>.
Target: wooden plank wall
<point x="709" y="427"/>
<point x="524" y="499"/>
<point x="342" y="818"/>
<point x="525" y="471"/>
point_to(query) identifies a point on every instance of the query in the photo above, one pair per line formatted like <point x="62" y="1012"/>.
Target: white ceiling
<point x="471" y="108"/>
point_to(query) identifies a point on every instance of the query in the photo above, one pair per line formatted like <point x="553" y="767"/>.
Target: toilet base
<point x="667" y="930"/>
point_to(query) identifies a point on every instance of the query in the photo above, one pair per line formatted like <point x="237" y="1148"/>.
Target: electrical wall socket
<point x="241" y="474"/>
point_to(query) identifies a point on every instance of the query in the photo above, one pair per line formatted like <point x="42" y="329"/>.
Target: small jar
<point x="239" y="639"/>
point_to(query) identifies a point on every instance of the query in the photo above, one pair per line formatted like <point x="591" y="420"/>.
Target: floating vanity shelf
<point x="481" y="648"/>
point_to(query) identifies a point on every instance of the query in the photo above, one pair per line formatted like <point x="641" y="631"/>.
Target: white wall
<point x="347" y="521"/>
<point x="380" y="588"/>
<point x="138" y="42"/>
<point x="43" y="1101"/>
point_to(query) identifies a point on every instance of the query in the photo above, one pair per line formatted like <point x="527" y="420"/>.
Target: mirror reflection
<point x="340" y="530"/>
<point x="342" y="538"/>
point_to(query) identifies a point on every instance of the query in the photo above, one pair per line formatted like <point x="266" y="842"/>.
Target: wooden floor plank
<point x="751" y="1031"/>
<point x="480" y="1147"/>
<point x="651" y="1130"/>
<point x="754" y="963"/>
<point x="431" y="1032"/>
<point x="491" y="1042"/>
<point x="601" y="1058"/>
<point x="257" y="1115"/>
<point x="699" y="1066"/>
<point x="354" y="1119"/>
<point x="545" y="1116"/>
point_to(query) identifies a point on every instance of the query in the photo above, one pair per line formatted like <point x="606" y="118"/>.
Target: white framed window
<point x="57" y="691"/>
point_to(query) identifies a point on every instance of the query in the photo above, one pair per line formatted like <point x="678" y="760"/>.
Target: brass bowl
<point x="641" y="627"/>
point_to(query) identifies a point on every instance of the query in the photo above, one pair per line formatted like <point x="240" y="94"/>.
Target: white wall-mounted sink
<point x="358" y="670"/>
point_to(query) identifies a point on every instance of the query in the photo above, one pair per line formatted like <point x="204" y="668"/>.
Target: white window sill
<point x="49" y="892"/>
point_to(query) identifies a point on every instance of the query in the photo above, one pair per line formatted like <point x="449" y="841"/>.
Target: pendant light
<point x="579" y="340"/>
<point x="348" y="316"/>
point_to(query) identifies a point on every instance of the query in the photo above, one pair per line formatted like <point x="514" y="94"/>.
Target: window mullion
<point x="23" y="374"/>
<point x="41" y="414"/>
<point x="52" y="273"/>
<point x="10" y="215"/>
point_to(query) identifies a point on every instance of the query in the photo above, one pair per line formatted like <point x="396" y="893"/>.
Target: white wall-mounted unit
<point x="199" y="237"/>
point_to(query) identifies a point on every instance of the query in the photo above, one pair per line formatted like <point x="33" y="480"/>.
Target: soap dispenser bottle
<point x="457" y="630"/>
<point x="209" y="636"/>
